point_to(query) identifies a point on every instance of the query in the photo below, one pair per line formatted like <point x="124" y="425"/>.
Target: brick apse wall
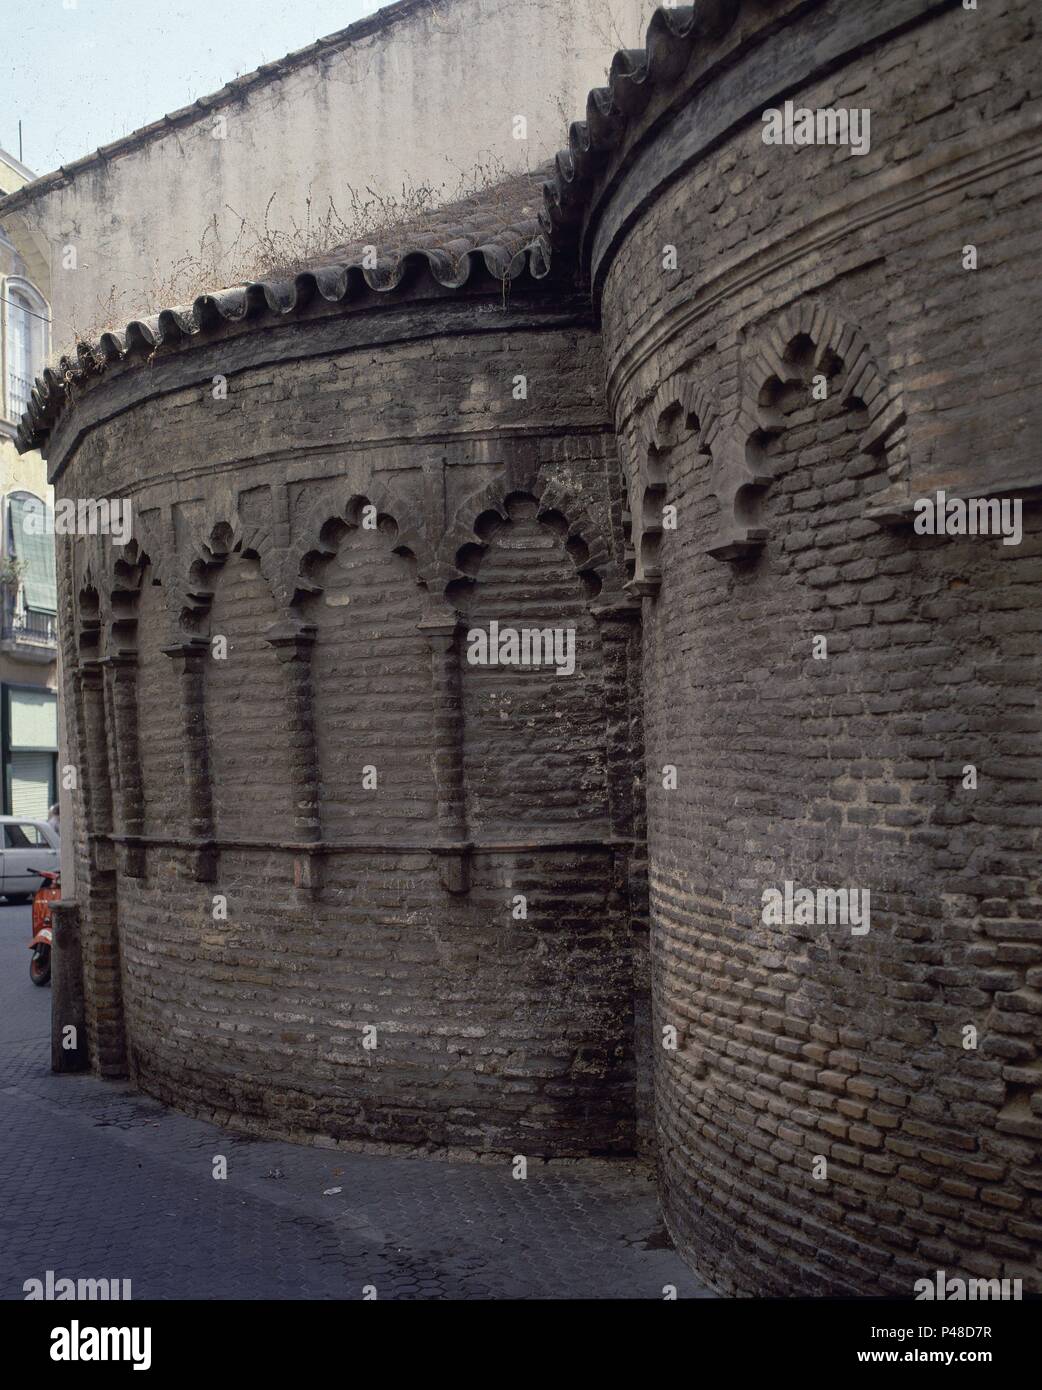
<point x="500" y="1026"/>
<point x="794" y="521"/>
<point x="794" y="352"/>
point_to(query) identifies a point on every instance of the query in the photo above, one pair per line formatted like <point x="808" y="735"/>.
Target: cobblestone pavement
<point x="97" y="1181"/>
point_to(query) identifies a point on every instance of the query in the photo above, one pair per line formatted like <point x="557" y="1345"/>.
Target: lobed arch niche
<point x="149" y="780"/>
<point x="244" y="754"/>
<point x="294" y="671"/>
<point x="360" y="597"/>
<point x="807" y="345"/>
<point x="681" y="412"/>
<point x="534" y="753"/>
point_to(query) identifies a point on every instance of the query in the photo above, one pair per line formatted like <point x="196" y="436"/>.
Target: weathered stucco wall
<point x="798" y="1043"/>
<point x="424" y="94"/>
<point x="395" y="905"/>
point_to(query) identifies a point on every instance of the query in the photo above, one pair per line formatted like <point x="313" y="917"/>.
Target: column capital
<point x="125" y="659"/>
<point x="291" y="640"/>
<point x="191" y="650"/>
<point x="643" y="588"/>
<point x="622" y="609"/>
<point x="440" y="629"/>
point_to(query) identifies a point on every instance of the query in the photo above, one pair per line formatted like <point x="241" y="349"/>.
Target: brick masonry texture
<point x="393" y="906"/>
<point x="798" y="1042"/>
<point x="818" y="358"/>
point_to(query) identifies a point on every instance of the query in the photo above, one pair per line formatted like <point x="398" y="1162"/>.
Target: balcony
<point x="26" y="634"/>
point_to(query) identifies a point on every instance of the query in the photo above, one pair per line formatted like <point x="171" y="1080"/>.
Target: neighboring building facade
<point x="363" y="108"/>
<point x="28" y="607"/>
<point x="338" y="879"/>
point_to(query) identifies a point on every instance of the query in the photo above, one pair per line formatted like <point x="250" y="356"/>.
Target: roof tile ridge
<point x="635" y="75"/>
<point x="216" y="310"/>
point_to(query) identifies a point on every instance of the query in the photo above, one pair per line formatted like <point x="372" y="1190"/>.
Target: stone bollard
<point x="68" y="1049"/>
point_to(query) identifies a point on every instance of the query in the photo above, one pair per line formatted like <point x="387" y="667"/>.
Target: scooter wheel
<point x="40" y="965"/>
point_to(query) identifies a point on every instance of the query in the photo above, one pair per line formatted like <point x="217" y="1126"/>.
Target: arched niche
<point x="370" y="679"/>
<point x="246" y="711"/>
<point x="534" y="740"/>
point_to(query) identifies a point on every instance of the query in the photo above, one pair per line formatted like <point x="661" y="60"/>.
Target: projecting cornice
<point x="704" y="71"/>
<point x="415" y="276"/>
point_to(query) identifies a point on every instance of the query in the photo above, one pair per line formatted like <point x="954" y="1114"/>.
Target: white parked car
<point x="27" y="845"/>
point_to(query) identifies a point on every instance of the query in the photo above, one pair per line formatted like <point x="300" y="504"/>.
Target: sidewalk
<point x="97" y="1181"/>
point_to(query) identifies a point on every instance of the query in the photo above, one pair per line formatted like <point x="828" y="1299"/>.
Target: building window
<point x="29" y="747"/>
<point x="28" y="595"/>
<point x="25" y="343"/>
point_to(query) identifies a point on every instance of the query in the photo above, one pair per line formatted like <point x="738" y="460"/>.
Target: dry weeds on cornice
<point x="493" y="231"/>
<point x="485" y="209"/>
<point x="395" y="224"/>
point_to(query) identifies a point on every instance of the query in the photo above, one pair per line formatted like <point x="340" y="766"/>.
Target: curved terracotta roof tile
<point x="505" y="241"/>
<point x="635" y="76"/>
<point x="490" y="244"/>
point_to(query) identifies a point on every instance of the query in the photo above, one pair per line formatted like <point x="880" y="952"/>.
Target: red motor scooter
<point x="49" y="891"/>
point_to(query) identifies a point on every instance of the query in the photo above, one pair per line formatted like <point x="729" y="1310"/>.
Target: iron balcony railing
<point x="28" y="627"/>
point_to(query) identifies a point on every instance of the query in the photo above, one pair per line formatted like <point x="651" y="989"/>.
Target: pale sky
<point x="81" y="73"/>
